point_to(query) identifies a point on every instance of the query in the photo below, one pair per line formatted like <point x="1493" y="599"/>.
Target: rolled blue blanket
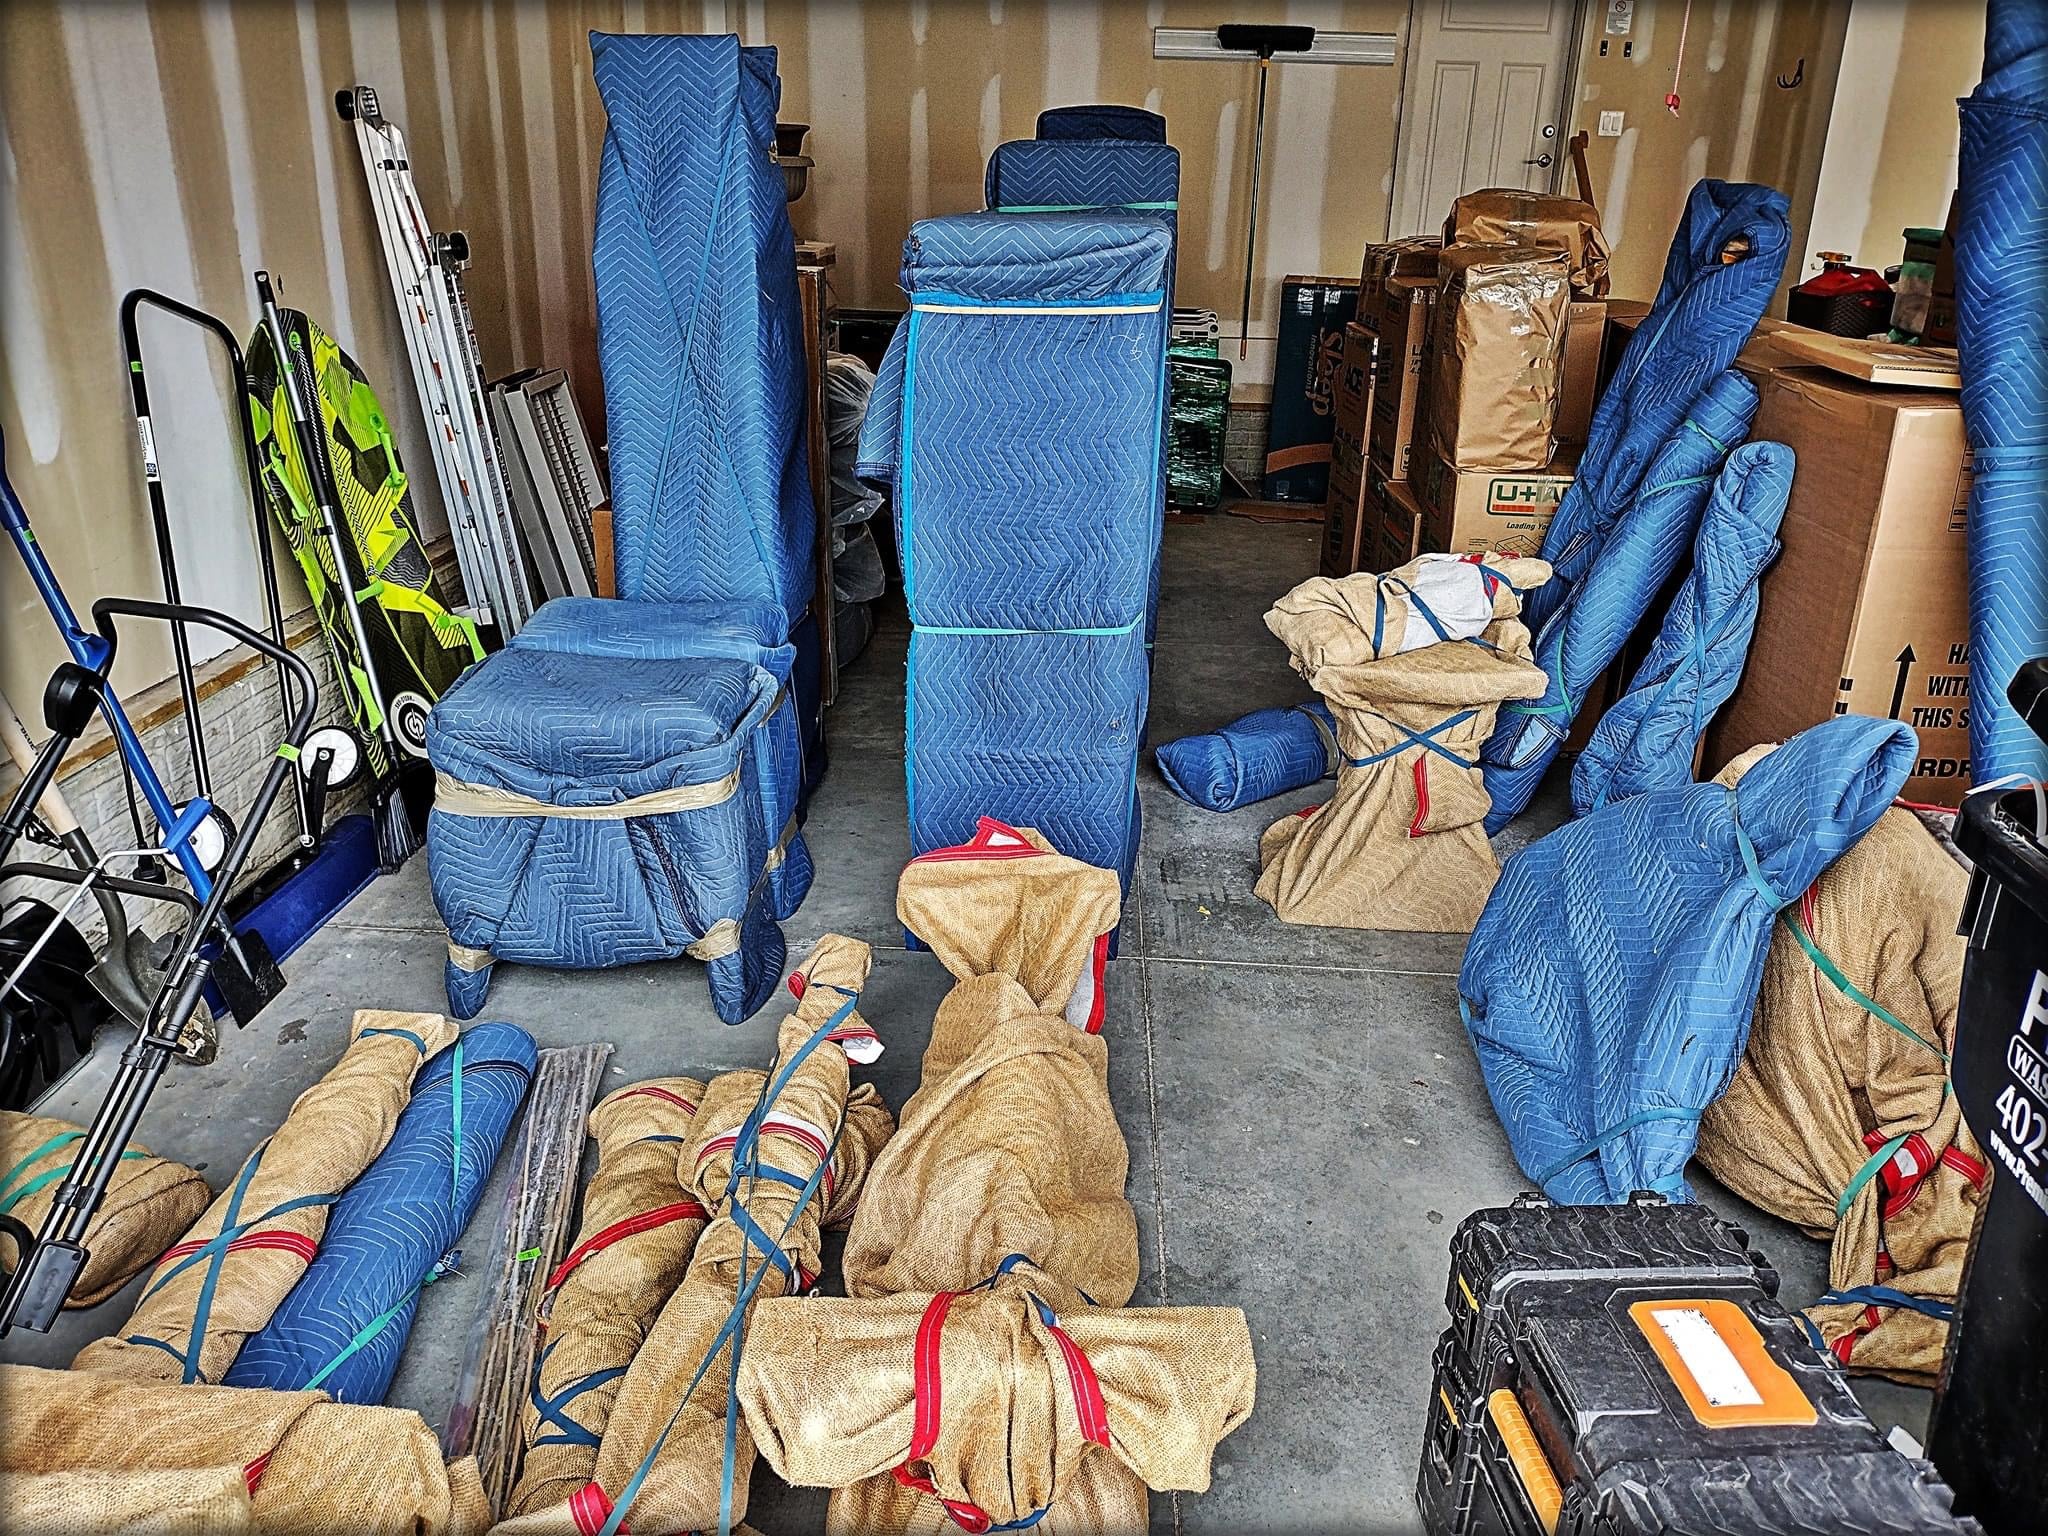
<point x="345" y="1323"/>
<point x="1267" y="753"/>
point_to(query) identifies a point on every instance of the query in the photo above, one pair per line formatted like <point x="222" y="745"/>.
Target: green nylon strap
<point x="366" y="1333"/>
<point x="1865" y="1174"/>
<point x="527" y="1255"/>
<point x="1169" y="205"/>
<point x="287" y="751"/>
<point x="455" y="1127"/>
<point x="1842" y="984"/>
<point x="61" y="1139"/>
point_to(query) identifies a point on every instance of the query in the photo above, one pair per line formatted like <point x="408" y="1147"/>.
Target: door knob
<point x="1542" y="160"/>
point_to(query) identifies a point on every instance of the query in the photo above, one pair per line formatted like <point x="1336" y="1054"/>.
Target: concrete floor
<point x="1306" y="1122"/>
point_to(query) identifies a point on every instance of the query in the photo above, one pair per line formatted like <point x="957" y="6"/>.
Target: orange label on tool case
<point x="1718" y="1362"/>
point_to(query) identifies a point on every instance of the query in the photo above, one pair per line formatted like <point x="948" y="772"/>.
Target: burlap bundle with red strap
<point x="663" y="1430"/>
<point x="1841" y="1120"/>
<point x="86" y="1453"/>
<point x="149" y="1201"/>
<point x="1399" y="844"/>
<point x="222" y="1282"/>
<point x="967" y="1379"/>
<point x="639" y="1225"/>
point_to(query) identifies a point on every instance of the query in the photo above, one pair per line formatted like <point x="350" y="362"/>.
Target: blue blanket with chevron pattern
<point x="1016" y="420"/>
<point x="2002" y="335"/>
<point x="1648" y="737"/>
<point x="698" y="328"/>
<point x="1609" y="983"/>
<point x="620" y="784"/>
<point x="1613" y="577"/>
<point x="1101" y="121"/>
<point x="1260" y="755"/>
<point x="343" y="1327"/>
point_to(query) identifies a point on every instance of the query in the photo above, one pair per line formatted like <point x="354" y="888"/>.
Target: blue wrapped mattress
<point x="620" y="784"/>
<point x="1260" y="755"/>
<point x="1609" y="983"/>
<point x="1017" y="420"/>
<point x="1648" y="737"/>
<point x="1613" y="580"/>
<point x="1101" y="122"/>
<point x="2002" y="335"/>
<point x="344" y="1325"/>
<point x="1704" y="311"/>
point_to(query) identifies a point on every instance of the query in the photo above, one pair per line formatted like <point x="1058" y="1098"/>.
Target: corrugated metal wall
<point x="179" y="144"/>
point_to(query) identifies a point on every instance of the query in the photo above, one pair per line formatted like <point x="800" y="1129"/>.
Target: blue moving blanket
<point x="2002" y="335"/>
<point x="1703" y="313"/>
<point x="1017" y="419"/>
<point x="1609" y="983"/>
<point x="619" y="784"/>
<point x="1101" y="122"/>
<point x="1614" y="579"/>
<point x="1265" y="753"/>
<point x="1647" y="738"/>
<point x="344" y="1325"/>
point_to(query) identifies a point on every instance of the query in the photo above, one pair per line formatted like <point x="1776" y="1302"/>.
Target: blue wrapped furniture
<point x="1017" y="421"/>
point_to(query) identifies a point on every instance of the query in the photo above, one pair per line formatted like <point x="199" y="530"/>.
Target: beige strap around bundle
<point x="459" y="798"/>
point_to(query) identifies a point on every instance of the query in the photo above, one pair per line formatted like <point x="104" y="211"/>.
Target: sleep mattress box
<point x="1016" y="420"/>
<point x="619" y="784"/>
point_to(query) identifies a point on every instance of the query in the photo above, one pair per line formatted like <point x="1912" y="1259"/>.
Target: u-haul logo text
<point x="1514" y="496"/>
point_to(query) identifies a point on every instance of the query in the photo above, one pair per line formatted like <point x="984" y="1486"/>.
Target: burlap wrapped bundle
<point x="1399" y="844"/>
<point x="657" y="1420"/>
<point x="1840" y="1122"/>
<point x="149" y="1202"/>
<point x="85" y="1454"/>
<point x="639" y="1225"/>
<point x="258" y="1237"/>
<point x="1003" y="1194"/>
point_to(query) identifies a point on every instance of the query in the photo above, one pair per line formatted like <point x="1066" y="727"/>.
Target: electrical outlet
<point x="1610" y="125"/>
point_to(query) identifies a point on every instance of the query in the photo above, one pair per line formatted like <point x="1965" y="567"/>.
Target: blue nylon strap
<point x="1754" y="866"/>
<point x="1620" y="1128"/>
<point x="555" y="1410"/>
<point x="143" y="1338"/>
<point x="754" y="1234"/>
<point x="403" y="1034"/>
<point x="1885" y="1296"/>
<point x="204" y="1308"/>
<point x="779" y="1175"/>
<point x="227" y="1235"/>
<point x="1425" y="739"/>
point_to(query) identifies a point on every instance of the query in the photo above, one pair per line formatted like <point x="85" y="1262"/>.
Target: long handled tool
<point x="397" y="834"/>
<point x="177" y="1026"/>
<point x="1264" y="40"/>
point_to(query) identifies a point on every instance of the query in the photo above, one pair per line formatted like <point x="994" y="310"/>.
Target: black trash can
<point x="1989" y="1435"/>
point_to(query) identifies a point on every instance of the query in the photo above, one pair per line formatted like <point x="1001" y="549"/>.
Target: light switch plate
<point x="1610" y="125"/>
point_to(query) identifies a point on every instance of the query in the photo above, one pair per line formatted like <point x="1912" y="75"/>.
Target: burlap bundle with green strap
<point x="1400" y="843"/>
<point x="89" y="1454"/>
<point x="223" y="1281"/>
<point x="639" y="1225"/>
<point x="1840" y="1117"/>
<point x="149" y="1201"/>
<point x="966" y="1378"/>
<point x="663" y="1450"/>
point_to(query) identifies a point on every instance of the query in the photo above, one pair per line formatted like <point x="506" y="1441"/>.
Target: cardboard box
<point x="1313" y="314"/>
<point x="1495" y="344"/>
<point x="1578" y="371"/>
<point x="1348" y="515"/>
<point x="1398" y="531"/>
<point x="1866" y="611"/>
<point x="1400" y="323"/>
<point x="1411" y="256"/>
<point x="1474" y="510"/>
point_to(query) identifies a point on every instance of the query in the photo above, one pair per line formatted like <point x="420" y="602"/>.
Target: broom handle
<point x="1251" y="237"/>
<point x="50" y="805"/>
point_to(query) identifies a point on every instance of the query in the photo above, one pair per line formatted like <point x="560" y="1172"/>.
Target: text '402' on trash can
<point x="1626" y="1370"/>
<point x="1990" y="1429"/>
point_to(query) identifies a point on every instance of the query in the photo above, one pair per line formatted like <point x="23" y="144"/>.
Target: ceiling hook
<point x="1798" y="74"/>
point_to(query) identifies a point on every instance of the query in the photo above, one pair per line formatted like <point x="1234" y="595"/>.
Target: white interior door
<point x="1483" y="105"/>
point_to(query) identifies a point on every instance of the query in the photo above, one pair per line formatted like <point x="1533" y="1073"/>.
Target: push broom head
<point x="1264" y="40"/>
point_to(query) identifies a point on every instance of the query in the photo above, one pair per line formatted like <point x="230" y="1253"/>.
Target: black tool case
<point x="1627" y="1371"/>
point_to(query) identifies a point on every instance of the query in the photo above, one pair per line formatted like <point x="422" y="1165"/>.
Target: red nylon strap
<point x="288" y="1242"/>
<point x="630" y="1226"/>
<point x="1421" y="795"/>
<point x="1088" y="1404"/>
<point x="1961" y="1162"/>
<point x="649" y="1091"/>
<point x="1098" y="1003"/>
<point x="590" y="1506"/>
<point x="252" y="1474"/>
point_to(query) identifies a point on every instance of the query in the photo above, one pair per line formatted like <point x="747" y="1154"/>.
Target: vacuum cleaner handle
<point x="50" y="805"/>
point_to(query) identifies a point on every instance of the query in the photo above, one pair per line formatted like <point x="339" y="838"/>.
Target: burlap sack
<point x="1496" y="338"/>
<point x="89" y="1453"/>
<point x="1826" y="1091"/>
<point x="639" y="1225"/>
<point x="657" y="1421"/>
<point x="1511" y="216"/>
<point x="1399" y="844"/>
<point x="1009" y="1158"/>
<point x="333" y="1132"/>
<point x="149" y="1201"/>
